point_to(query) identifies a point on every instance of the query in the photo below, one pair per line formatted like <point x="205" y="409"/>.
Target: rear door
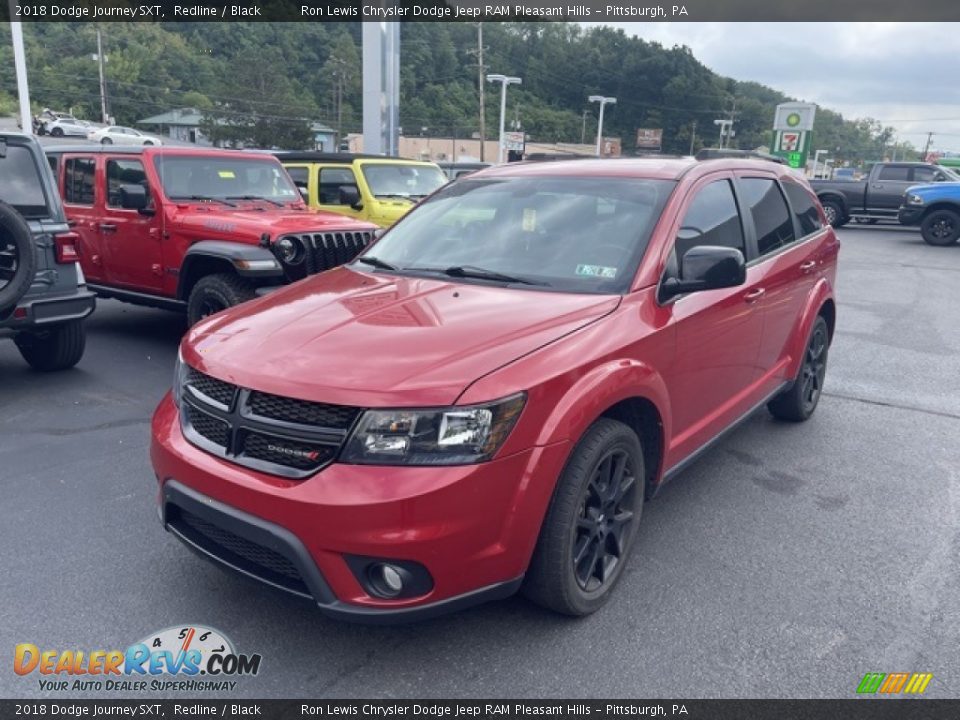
<point x="82" y="203"/>
<point x="131" y="240"/>
<point x="300" y="174"/>
<point x="785" y="262"/>
<point x="886" y="190"/>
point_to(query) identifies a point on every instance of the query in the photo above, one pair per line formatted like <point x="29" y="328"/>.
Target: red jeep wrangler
<point x="199" y="229"/>
<point x="483" y="400"/>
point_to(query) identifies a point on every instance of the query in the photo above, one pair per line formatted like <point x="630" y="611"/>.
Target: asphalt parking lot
<point x="787" y="562"/>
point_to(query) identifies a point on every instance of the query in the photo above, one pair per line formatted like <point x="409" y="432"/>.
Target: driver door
<point x="718" y="332"/>
<point x="329" y="182"/>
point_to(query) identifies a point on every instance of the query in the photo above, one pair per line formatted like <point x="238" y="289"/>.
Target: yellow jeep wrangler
<point x="370" y="187"/>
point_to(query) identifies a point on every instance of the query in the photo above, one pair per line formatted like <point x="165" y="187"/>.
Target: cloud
<point x="898" y="73"/>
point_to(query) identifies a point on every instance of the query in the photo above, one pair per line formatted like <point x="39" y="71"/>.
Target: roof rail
<point x="718" y="153"/>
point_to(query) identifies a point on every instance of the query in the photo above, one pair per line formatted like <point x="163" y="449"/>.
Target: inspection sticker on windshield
<point x="599" y="271"/>
<point x="226" y="174"/>
<point x="529" y="220"/>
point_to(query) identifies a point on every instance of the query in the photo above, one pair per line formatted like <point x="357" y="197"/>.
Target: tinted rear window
<point x="20" y="182"/>
<point x="804" y="208"/>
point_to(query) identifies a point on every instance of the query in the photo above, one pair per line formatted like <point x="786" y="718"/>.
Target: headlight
<point x="180" y="371"/>
<point x="290" y="250"/>
<point x="439" y="436"/>
<point x="914" y="199"/>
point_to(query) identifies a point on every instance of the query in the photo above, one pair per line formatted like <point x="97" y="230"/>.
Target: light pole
<point x="504" y="80"/>
<point x="603" y="101"/>
<point x="816" y="159"/>
<point x="20" y="65"/>
<point x="726" y="127"/>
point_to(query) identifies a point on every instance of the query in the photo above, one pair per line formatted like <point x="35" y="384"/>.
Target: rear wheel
<point x="591" y="523"/>
<point x="57" y="348"/>
<point x="834" y="212"/>
<point x="106" y="141"/>
<point x="214" y="293"/>
<point x="941" y="228"/>
<point x="798" y="403"/>
<point x="17" y="259"/>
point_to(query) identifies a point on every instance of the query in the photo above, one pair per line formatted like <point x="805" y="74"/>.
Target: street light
<point x="504" y="80"/>
<point x="603" y="101"/>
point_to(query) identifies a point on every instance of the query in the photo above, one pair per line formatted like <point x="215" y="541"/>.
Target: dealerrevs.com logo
<point x="184" y="658"/>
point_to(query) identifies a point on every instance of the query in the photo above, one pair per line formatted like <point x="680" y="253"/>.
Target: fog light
<point x="386" y="579"/>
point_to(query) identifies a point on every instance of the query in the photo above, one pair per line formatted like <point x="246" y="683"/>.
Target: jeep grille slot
<point x="331" y="249"/>
<point x="279" y="435"/>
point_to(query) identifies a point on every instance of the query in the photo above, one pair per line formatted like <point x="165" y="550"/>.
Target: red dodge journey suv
<point x="482" y="401"/>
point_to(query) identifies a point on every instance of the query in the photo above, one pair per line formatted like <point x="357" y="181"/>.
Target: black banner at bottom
<point x="854" y="709"/>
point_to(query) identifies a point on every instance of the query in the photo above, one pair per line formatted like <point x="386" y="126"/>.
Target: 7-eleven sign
<point x="789" y="141"/>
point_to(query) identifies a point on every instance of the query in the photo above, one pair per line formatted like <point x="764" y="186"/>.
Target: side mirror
<point x="133" y="197"/>
<point x="707" y="267"/>
<point x="349" y="195"/>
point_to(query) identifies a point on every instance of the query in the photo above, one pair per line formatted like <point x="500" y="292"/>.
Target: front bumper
<point x="910" y="214"/>
<point x="472" y="527"/>
<point x="46" y="310"/>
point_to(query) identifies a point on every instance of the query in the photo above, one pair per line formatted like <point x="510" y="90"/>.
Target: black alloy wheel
<point x="814" y="368"/>
<point x="941" y="228"/>
<point x="605" y="521"/>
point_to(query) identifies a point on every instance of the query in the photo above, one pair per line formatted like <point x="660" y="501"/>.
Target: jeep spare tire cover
<point x="17" y="259"/>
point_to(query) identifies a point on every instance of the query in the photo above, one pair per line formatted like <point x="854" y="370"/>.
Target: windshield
<point x="221" y="178"/>
<point x="398" y="180"/>
<point x="572" y="234"/>
<point x="952" y="173"/>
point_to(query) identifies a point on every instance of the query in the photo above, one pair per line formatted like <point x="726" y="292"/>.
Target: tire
<point x="214" y="293"/>
<point x="798" y="403"/>
<point x="57" y="348"/>
<point x="834" y="212"/>
<point x="941" y="228"/>
<point x="866" y="221"/>
<point x="18" y="260"/>
<point x="56" y="132"/>
<point x="582" y="522"/>
<point x="106" y="141"/>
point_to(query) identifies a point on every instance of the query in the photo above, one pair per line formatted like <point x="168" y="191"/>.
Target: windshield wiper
<point x="254" y="197"/>
<point x="479" y="273"/>
<point x="376" y="262"/>
<point x="208" y="198"/>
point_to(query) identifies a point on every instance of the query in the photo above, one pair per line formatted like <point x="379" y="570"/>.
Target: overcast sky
<point x="904" y="74"/>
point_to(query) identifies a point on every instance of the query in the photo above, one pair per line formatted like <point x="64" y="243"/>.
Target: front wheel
<point x="214" y="293"/>
<point x="57" y="132"/>
<point x="591" y="523"/>
<point x="798" y="403"/>
<point x="58" y="348"/>
<point x="941" y="228"/>
<point x="106" y="141"/>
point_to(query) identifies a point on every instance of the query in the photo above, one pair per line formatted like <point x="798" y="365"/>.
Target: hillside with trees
<point x="260" y="83"/>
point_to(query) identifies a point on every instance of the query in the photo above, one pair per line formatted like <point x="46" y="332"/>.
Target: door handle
<point x="754" y="295"/>
<point x="108" y="227"/>
<point x="808" y="266"/>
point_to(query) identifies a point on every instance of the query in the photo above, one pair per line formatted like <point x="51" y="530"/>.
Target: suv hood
<point x="215" y="221"/>
<point x="376" y="340"/>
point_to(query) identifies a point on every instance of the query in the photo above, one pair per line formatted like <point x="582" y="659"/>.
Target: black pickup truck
<point x="880" y="195"/>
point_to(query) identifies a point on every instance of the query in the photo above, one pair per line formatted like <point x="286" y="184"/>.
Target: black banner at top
<point x="486" y="11"/>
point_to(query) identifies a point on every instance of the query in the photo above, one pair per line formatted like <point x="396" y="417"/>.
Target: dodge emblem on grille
<point x="305" y="454"/>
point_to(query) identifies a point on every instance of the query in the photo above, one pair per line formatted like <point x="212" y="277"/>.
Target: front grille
<point x="208" y="427"/>
<point x="260" y="561"/>
<point x="217" y="390"/>
<point x="290" y="453"/>
<point x="303" y="412"/>
<point x="331" y="249"/>
<point x="275" y="434"/>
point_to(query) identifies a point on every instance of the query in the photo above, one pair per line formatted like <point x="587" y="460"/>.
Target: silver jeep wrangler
<point x="43" y="297"/>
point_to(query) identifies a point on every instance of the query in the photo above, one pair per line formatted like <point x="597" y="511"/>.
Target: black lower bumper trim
<point x="273" y="555"/>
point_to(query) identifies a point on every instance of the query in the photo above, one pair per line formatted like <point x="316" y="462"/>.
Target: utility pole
<point x="926" y="148"/>
<point x="481" y="70"/>
<point x="693" y="136"/>
<point x="103" y="83"/>
<point x="20" y="63"/>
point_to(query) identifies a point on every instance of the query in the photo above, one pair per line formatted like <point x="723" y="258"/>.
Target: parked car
<point x="117" y="135"/>
<point x="936" y="209"/>
<point x="194" y="229"/>
<point x="367" y="187"/>
<point x="43" y="300"/>
<point x="482" y="400"/>
<point x="879" y="195"/>
<point x="66" y="125"/>
<point x="454" y="170"/>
